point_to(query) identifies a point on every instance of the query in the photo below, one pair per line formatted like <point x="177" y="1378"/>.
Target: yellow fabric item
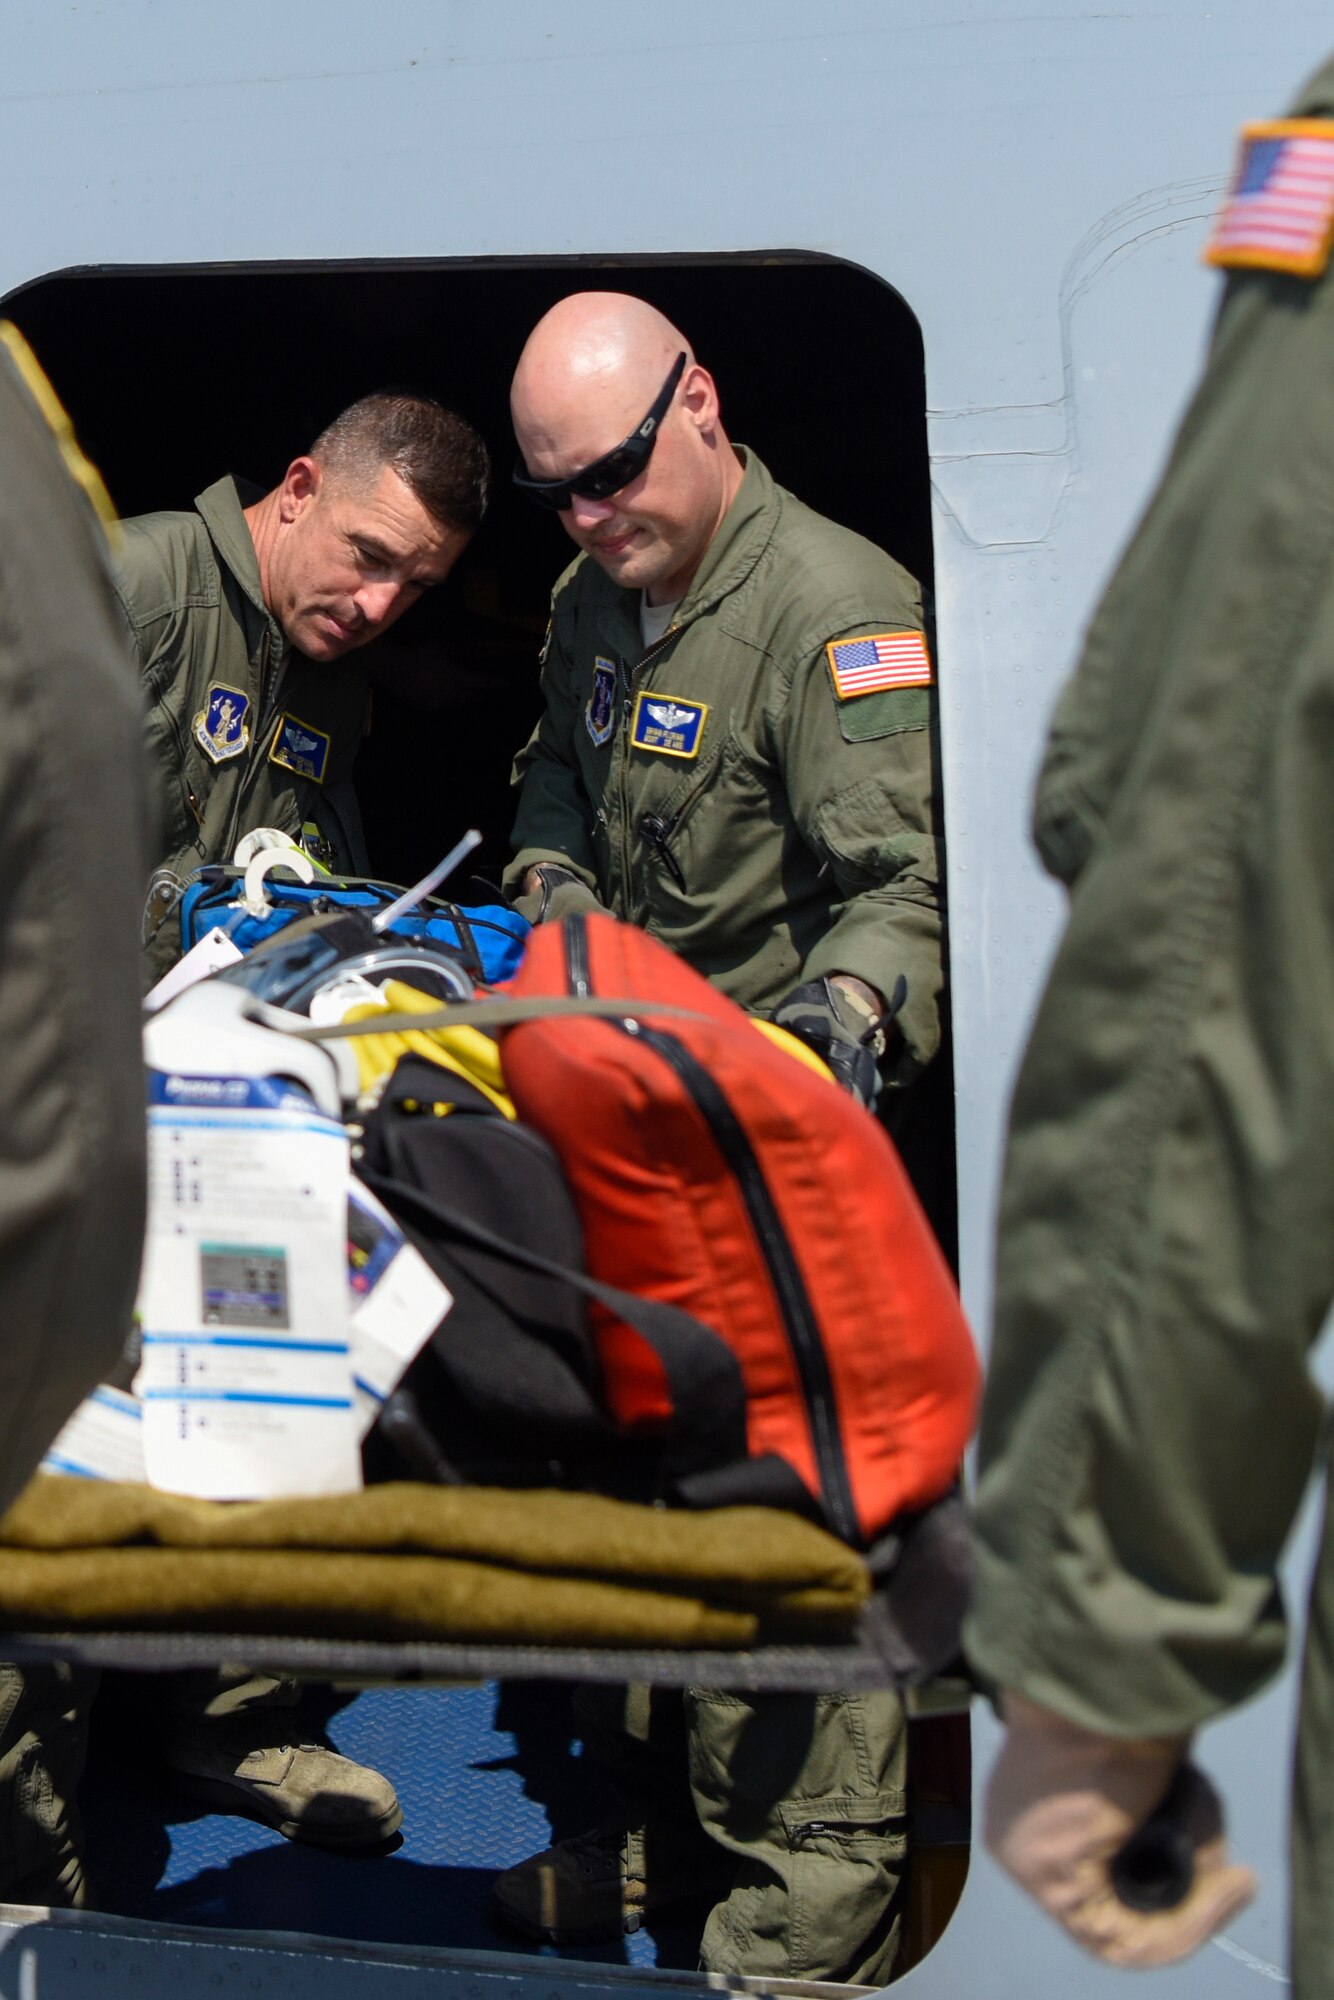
<point x="794" y="1046"/>
<point x="466" y="1051"/>
<point x="405" y="1561"/>
<point x="80" y="468"/>
<point x="470" y="1053"/>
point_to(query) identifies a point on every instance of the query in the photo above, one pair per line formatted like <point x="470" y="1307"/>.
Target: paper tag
<point x="214" y="950"/>
<point x="104" y="1439"/>
<point x="246" y="1375"/>
<point x="397" y="1302"/>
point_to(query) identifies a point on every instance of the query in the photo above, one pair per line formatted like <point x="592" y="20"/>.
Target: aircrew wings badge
<point x="298" y="747"/>
<point x="1279" y="213"/>
<point x="221" y="730"/>
<point x="668" y="723"/>
<point x="877" y="662"/>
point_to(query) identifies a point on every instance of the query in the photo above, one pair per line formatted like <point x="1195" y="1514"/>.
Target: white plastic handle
<point x="262" y="864"/>
<point x="253" y="843"/>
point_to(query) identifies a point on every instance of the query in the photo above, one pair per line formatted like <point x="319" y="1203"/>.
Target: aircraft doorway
<point x="175" y="376"/>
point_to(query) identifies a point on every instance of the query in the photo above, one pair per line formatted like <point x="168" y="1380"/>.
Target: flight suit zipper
<point x="623" y="767"/>
<point x="182" y="752"/>
<point x="267" y="711"/>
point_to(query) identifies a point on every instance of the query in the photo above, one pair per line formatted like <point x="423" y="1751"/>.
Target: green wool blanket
<point x="405" y="1562"/>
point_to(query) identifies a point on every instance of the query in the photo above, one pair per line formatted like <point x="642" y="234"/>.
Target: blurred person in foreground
<point x="73" y="847"/>
<point x="1166" y="1252"/>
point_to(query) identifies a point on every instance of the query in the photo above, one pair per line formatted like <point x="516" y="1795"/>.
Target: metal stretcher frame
<point x="906" y="1636"/>
<point x="864" y="1662"/>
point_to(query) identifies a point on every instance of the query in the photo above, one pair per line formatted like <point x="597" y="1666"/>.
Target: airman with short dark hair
<point x="243" y="611"/>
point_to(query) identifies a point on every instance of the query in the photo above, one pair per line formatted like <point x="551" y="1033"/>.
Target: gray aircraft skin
<point x="1035" y="185"/>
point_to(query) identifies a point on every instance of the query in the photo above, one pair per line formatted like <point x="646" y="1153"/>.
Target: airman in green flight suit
<point x="1166" y="1251"/>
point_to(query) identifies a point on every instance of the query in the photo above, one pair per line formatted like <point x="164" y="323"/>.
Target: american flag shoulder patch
<point x="1279" y="213"/>
<point x="878" y="661"/>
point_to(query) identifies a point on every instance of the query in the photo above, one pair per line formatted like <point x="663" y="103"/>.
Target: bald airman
<point x="735" y="753"/>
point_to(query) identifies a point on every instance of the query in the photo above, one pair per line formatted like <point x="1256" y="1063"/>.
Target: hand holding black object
<point x="1117" y="1838"/>
<point x="550" y="891"/>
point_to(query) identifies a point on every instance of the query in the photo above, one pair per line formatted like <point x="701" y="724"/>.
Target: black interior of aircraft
<point x="175" y="375"/>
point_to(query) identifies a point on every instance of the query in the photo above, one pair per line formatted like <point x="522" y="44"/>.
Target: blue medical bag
<point x="487" y="938"/>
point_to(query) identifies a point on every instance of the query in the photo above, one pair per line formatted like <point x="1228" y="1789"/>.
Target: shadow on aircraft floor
<point x="486" y="1776"/>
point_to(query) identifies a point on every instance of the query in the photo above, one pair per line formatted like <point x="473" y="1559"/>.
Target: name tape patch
<point x="298" y="747"/>
<point x="1279" y="213"/>
<point x="221" y="729"/>
<point x="600" y="714"/>
<point x="878" y="661"/>
<point x="668" y="724"/>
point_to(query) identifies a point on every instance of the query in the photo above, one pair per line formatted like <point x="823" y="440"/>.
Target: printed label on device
<point x="246" y="1378"/>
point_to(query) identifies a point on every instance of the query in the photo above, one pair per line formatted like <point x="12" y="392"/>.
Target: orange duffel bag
<point x="715" y="1171"/>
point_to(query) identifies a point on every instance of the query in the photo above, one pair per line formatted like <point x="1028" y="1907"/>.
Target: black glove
<point x="560" y="892"/>
<point x="826" y="1017"/>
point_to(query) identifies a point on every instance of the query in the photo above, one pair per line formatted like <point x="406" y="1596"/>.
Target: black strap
<point x="467" y="943"/>
<point x="476" y="923"/>
<point x="708" y="1427"/>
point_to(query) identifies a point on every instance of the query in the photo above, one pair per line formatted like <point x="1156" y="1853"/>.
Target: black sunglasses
<point x="615" y="468"/>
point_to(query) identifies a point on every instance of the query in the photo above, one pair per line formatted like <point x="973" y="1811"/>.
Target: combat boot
<point x="600" y="1885"/>
<point x="43" y="1737"/>
<point x="305" y="1790"/>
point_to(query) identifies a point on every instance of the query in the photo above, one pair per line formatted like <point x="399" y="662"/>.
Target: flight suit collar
<point x="746" y="530"/>
<point x="220" y="507"/>
<point x="743" y="535"/>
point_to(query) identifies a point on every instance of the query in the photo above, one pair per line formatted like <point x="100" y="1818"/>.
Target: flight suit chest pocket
<point x="685" y="817"/>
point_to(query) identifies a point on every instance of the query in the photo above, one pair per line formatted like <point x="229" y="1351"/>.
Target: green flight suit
<point x="241" y="731"/>
<point x="1166" y="1245"/>
<point x="73" y="850"/>
<point x="793" y="835"/>
<point x="780" y="834"/>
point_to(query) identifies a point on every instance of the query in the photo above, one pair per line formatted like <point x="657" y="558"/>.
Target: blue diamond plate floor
<point x="486" y="1775"/>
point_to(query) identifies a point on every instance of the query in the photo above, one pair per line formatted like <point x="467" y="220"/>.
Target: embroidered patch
<point x="221" y="729"/>
<point x="1279" y="213"/>
<point x="668" y="724"/>
<point x="600" y="714"/>
<point x="298" y="747"/>
<point x="879" y="661"/>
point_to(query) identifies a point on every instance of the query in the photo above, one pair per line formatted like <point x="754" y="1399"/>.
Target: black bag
<point x="507" y="1391"/>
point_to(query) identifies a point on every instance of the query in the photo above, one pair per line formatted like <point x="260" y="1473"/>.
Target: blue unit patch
<point x="668" y="724"/>
<point x="600" y="714"/>
<point x="221" y="729"/>
<point x="300" y="748"/>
